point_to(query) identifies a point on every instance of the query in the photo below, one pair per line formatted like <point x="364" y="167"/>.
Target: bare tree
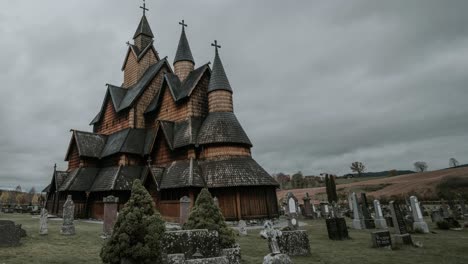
<point x="420" y="166"/>
<point x="453" y="162"/>
<point x="358" y="167"/>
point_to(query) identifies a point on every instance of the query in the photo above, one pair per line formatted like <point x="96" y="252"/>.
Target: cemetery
<point x="167" y="176"/>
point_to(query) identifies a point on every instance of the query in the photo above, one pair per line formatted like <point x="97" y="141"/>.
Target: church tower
<point x="183" y="61"/>
<point x="219" y="88"/>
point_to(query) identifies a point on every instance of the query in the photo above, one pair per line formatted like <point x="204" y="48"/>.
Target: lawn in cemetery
<point x="442" y="247"/>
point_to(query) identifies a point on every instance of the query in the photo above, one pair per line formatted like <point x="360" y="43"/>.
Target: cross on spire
<point x="215" y="44"/>
<point x="144" y="7"/>
<point x="183" y="24"/>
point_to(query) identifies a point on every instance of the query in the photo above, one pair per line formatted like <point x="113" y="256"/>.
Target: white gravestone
<point x="379" y="220"/>
<point x="419" y="223"/>
<point x="358" y="221"/>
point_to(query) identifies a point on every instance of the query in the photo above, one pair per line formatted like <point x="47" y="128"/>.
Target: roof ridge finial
<point x="144" y="7"/>
<point x="215" y="44"/>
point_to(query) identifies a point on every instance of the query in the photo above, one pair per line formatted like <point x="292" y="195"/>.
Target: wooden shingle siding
<point x="146" y="98"/>
<point x="171" y="111"/>
<point x="220" y="101"/>
<point x="217" y="151"/>
<point x="112" y="121"/>
<point x="198" y="101"/>
<point x="183" y="68"/>
<point x="73" y="158"/>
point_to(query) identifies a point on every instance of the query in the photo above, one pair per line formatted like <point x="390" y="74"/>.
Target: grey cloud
<point x="317" y="84"/>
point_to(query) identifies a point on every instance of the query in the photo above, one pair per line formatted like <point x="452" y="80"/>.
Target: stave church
<point x="174" y="128"/>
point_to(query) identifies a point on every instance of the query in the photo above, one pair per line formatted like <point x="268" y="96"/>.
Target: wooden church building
<point x="173" y="128"/>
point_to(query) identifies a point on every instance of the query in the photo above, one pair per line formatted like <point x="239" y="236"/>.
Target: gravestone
<point x="68" y="228"/>
<point x="381" y="239"/>
<point x="216" y="201"/>
<point x="337" y="229"/>
<point x="184" y="209"/>
<point x="111" y="204"/>
<point x="242" y="228"/>
<point x="379" y="221"/>
<point x="324" y="209"/>
<point x="292" y="212"/>
<point x="294" y="243"/>
<point x="192" y="243"/>
<point x="402" y="237"/>
<point x="445" y="210"/>
<point x="358" y="222"/>
<point x="350" y="201"/>
<point x="419" y="223"/>
<point x="368" y="221"/>
<point x="43" y="225"/>
<point x="273" y="235"/>
<point x="307" y="206"/>
<point x="436" y="216"/>
<point x="10" y="234"/>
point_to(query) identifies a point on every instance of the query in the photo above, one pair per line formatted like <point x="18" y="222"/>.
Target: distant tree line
<point x="19" y="197"/>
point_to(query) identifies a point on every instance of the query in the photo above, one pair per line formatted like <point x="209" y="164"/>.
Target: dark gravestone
<point x="389" y="221"/>
<point x="381" y="239"/>
<point x="10" y="234"/>
<point x="368" y="221"/>
<point x="402" y="237"/>
<point x="436" y="216"/>
<point x="337" y="229"/>
<point x="294" y="243"/>
<point x="191" y="242"/>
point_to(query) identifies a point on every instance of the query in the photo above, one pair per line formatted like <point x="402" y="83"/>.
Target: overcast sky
<point x="317" y="84"/>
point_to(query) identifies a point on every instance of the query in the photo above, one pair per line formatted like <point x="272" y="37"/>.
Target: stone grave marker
<point x="445" y="210"/>
<point x="402" y="237"/>
<point x="68" y="228"/>
<point x="292" y="212"/>
<point x="358" y="222"/>
<point x="308" y="212"/>
<point x="379" y="221"/>
<point x="436" y="216"/>
<point x="337" y="229"/>
<point x="10" y="234"/>
<point x="381" y="239"/>
<point x="419" y="223"/>
<point x="111" y="204"/>
<point x="43" y="225"/>
<point x="368" y="221"/>
<point x="216" y="201"/>
<point x="242" y="228"/>
<point x="184" y="208"/>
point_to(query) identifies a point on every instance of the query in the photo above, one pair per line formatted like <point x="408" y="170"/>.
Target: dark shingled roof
<point x="183" y="52"/>
<point x="117" y="178"/>
<point x="80" y="179"/>
<point x="123" y="98"/>
<point x="157" y="173"/>
<point x="46" y="189"/>
<point x="218" y="80"/>
<point x="186" y="132"/>
<point x="89" y="144"/>
<point x="143" y="28"/>
<point x="60" y="177"/>
<point x="179" y="91"/>
<point x="222" y="127"/>
<point x="235" y="171"/>
<point x="183" y="173"/>
<point x="168" y="129"/>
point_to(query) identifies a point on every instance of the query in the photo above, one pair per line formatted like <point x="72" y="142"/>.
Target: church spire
<point x="183" y="61"/>
<point x="218" y="79"/>
<point x="143" y="35"/>
<point x="183" y="49"/>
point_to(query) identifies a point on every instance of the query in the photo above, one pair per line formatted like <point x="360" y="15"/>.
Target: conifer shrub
<point x="206" y="215"/>
<point x="138" y="231"/>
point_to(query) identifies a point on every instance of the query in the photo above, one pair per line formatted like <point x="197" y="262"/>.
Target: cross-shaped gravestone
<point x="272" y="236"/>
<point x="144" y="7"/>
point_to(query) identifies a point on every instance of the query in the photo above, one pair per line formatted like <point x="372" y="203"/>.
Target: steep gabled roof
<point x="80" y="179"/>
<point x="143" y="28"/>
<point x="186" y="132"/>
<point x="183" y="52"/>
<point x="222" y="127"/>
<point x="218" y="80"/>
<point x="179" y="90"/>
<point x="88" y="144"/>
<point x="139" y="54"/>
<point x="123" y="98"/>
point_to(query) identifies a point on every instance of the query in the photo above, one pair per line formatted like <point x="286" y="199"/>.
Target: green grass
<point x="443" y="247"/>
